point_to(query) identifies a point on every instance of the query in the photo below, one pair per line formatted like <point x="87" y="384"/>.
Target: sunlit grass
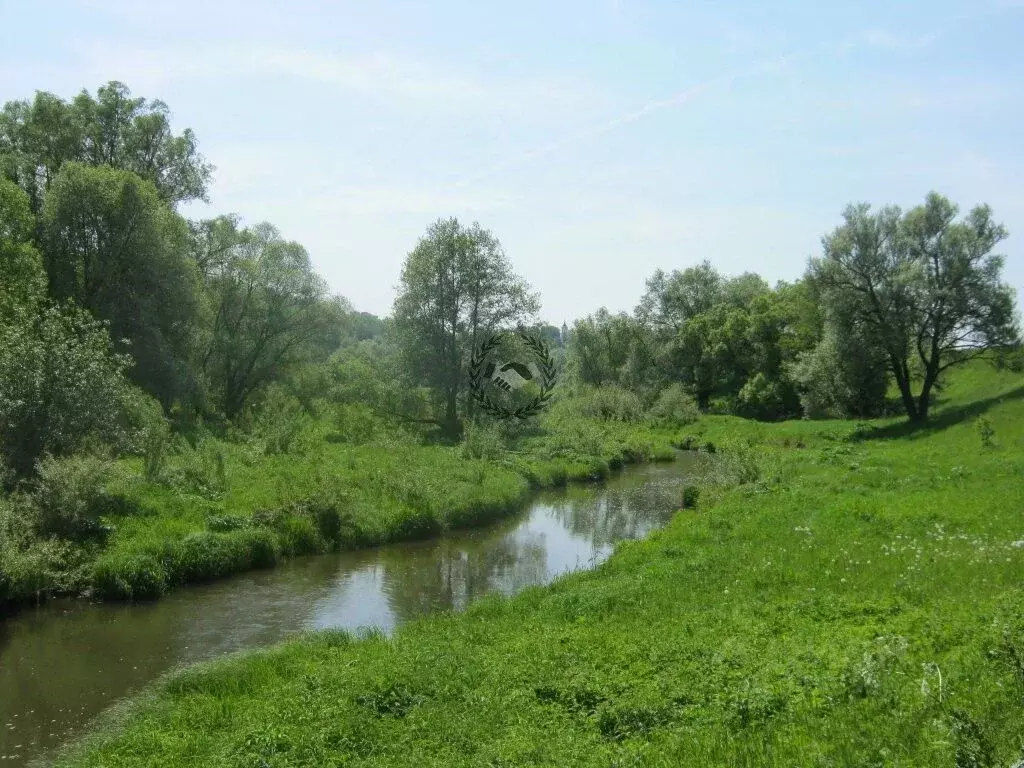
<point x="373" y="493"/>
<point x="860" y="603"/>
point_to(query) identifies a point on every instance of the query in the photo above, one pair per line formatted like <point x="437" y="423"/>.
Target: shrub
<point x="722" y="406"/>
<point x="609" y="403"/>
<point x="760" y="399"/>
<point x="38" y="569"/>
<point x="299" y="536"/>
<point x="481" y="442"/>
<point x="121" y="575"/>
<point x="689" y="443"/>
<point x="412" y="523"/>
<point x="205" y="555"/>
<point x="691" y="493"/>
<point x="60" y="385"/>
<point x="354" y="423"/>
<point x="328" y="510"/>
<point x="841" y="376"/>
<point x="201" y="470"/>
<point x="279" y="422"/>
<point x="224" y="523"/>
<point x="69" y="495"/>
<point x="674" y="407"/>
<point x="985" y="431"/>
<point x="264" y="547"/>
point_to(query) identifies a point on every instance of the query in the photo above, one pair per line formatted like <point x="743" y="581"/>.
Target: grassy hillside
<point x="858" y="601"/>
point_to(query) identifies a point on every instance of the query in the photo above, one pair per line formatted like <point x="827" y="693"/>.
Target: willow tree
<point x="38" y="137"/>
<point x="927" y="286"/>
<point x="457" y="284"/>
<point x="267" y="311"/>
<point x="115" y="248"/>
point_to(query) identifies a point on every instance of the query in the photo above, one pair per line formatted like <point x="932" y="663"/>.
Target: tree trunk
<point x="903" y="381"/>
<point x="924" y="399"/>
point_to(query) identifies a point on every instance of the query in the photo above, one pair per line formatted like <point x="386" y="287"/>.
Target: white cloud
<point x="379" y="75"/>
<point x="894" y="41"/>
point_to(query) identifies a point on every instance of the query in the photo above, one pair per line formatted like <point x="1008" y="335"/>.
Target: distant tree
<point x="926" y="285"/>
<point x="671" y="299"/>
<point x="457" y="285"/>
<point x="115" y="248"/>
<point x="38" y="137"/>
<point x="22" y="277"/>
<point x="613" y="349"/>
<point x="268" y="311"/>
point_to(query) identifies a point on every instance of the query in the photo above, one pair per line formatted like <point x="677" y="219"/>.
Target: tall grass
<point x="841" y="594"/>
<point x="185" y="513"/>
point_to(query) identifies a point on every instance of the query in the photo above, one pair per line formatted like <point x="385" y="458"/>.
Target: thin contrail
<point x="723" y="81"/>
<point x="655" y="105"/>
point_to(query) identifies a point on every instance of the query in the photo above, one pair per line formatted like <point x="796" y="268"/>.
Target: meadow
<point x="852" y="595"/>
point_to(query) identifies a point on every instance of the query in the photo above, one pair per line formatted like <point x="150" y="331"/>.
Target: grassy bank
<point x="859" y="600"/>
<point x="226" y="507"/>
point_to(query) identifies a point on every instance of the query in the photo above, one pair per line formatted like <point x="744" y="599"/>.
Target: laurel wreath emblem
<point x="547" y="368"/>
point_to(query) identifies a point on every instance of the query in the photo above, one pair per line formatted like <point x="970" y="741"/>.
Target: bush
<point x="674" y="407"/>
<point x="201" y="470"/>
<point x="411" y="523"/>
<point x="840" y="377"/>
<point x="205" y="555"/>
<point x="264" y="547"/>
<point x="122" y="575"/>
<point x="480" y="442"/>
<point x="279" y="422"/>
<point x="691" y="493"/>
<point x="760" y="399"/>
<point x="354" y="423"/>
<point x="69" y="496"/>
<point x="224" y="523"/>
<point x="40" y="569"/>
<point x="609" y="403"/>
<point x="61" y="385"/>
<point x="327" y="509"/>
<point x="689" y="443"/>
<point x="299" y="536"/>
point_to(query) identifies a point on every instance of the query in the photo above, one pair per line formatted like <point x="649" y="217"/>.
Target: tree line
<point x="116" y="311"/>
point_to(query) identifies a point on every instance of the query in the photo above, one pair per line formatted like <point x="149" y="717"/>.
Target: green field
<point x="859" y="602"/>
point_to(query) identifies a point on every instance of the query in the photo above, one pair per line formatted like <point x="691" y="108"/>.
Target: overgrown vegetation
<point x="182" y="400"/>
<point x="819" y="602"/>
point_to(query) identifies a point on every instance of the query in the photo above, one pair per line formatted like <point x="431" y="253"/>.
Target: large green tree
<point x="60" y="381"/>
<point x="457" y="284"/>
<point x="38" y="137"/>
<point x="115" y="248"/>
<point x="926" y="285"/>
<point x="22" y="277"/>
<point x="267" y="311"/>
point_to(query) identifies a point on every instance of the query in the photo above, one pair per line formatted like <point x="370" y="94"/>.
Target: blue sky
<point x="598" y="140"/>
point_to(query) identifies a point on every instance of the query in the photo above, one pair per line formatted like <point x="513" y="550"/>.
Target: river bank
<point x="222" y="509"/>
<point x="49" y="695"/>
<point x="857" y="601"/>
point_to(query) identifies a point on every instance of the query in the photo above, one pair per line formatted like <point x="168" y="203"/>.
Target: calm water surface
<point x="62" y="664"/>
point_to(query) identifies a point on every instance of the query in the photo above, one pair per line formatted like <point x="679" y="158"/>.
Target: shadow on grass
<point x="938" y="421"/>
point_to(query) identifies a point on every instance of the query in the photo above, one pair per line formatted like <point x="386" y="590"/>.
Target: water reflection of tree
<point x="452" y="573"/>
<point x="615" y="512"/>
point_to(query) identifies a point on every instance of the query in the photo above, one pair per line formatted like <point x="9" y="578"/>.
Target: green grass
<point x="858" y="601"/>
<point x="332" y="496"/>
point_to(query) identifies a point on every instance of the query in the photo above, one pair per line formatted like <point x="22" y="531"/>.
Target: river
<point x="65" y="662"/>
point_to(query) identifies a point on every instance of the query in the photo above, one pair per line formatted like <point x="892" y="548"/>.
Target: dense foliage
<point x="208" y="360"/>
